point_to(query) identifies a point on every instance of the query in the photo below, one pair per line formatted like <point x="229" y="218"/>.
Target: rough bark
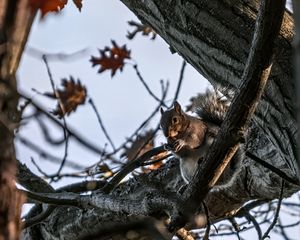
<point x="296" y="9"/>
<point x="215" y="37"/>
<point x="13" y="34"/>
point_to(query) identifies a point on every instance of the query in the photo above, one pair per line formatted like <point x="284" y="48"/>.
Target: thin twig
<point x="275" y="170"/>
<point x="252" y="219"/>
<point x="47" y="155"/>
<point x="282" y="230"/>
<point x="91" y="102"/>
<point x="235" y="226"/>
<point x="39" y="169"/>
<point x="71" y="131"/>
<point x="146" y="121"/>
<point x="56" y="56"/>
<point x="266" y="234"/>
<point x="179" y="81"/>
<point x="61" y="105"/>
<point x="46" y="132"/>
<point x="208" y="224"/>
<point x="135" y="67"/>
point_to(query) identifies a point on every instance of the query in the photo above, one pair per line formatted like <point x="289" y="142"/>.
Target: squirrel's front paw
<point x="177" y="145"/>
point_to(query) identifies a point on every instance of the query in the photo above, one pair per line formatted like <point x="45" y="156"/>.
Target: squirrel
<point x="189" y="138"/>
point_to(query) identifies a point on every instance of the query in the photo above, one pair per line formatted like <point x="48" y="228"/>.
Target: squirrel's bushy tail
<point x="212" y="105"/>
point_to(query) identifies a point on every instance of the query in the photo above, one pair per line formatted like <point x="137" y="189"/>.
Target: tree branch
<point x="254" y="79"/>
<point x="266" y="234"/>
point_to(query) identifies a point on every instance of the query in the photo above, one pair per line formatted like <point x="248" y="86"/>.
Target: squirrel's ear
<point x="162" y="110"/>
<point x="177" y="107"/>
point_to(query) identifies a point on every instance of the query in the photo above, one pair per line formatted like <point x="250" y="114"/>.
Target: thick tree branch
<point x="146" y="205"/>
<point x="254" y="79"/>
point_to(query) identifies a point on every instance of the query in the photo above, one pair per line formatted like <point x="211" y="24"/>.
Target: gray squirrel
<point x="189" y="138"/>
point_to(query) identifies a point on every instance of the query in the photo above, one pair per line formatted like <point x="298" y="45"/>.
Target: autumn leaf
<point x="143" y="28"/>
<point x="47" y="5"/>
<point x="111" y="58"/>
<point x="72" y="95"/>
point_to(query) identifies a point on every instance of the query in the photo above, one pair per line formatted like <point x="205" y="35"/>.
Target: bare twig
<point x="252" y="219"/>
<point x="146" y="121"/>
<point x="135" y="67"/>
<point x="46" y="155"/>
<point x="266" y="234"/>
<point x="71" y="131"/>
<point x="235" y="226"/>
<point x="208" y="224"/>
<point x="282" y="230"/>
<point x="46" y="132"/>
<point x="179" y="81"/>
<point x="61" y="105"/>
<point x="91" y="102"/>
<point x="56" y="56"/>
<point x="39" y="169"/>
<point x="275" y="170"/>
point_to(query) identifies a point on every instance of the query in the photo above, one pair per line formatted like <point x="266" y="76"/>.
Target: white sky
<point x="122" y="101"/>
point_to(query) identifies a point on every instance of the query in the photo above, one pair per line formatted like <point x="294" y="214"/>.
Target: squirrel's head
<point x="173" y="122"/>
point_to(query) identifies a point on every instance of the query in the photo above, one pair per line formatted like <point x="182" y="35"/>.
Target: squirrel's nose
<point x="172" y="134"/>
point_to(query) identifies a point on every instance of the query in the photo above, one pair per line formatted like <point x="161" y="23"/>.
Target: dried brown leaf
<point x="72" y="95"/>
<point x="111" y="58"/>
<point x="47" y="6"/>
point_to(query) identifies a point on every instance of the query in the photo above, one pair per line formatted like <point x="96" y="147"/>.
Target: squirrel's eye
<point x="175" y="120"/>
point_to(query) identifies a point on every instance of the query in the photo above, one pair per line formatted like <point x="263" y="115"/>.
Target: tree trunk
<point x="15" y="20"/>
<point x="214" y="36"/>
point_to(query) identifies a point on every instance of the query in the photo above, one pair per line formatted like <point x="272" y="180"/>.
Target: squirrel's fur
<point x="211" y="106"/>
<point x="189" y="138"/>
